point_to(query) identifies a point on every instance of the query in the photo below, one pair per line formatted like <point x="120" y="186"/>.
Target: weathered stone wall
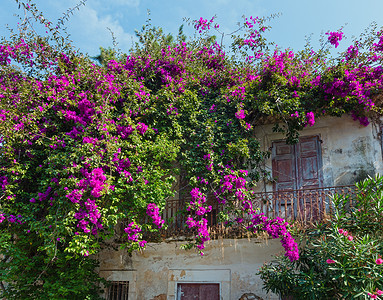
<point x="350" y="152"/>
<point x="155" y="272"/>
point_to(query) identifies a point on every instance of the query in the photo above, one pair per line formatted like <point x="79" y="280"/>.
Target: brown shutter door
<point x="188" y="291"/>
<point x="309" y="162"/>
<point x="209" y="292"/>
<point x="284" y="166"/>
<point x="198" y="291"/>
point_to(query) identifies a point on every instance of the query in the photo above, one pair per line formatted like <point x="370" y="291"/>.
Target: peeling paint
<point x="154" y="277"/>
<point x="350" y="152"/>
<point x="183" y="273"/>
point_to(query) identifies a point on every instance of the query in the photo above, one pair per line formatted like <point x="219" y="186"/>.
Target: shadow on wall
<point x="353" y="176"/>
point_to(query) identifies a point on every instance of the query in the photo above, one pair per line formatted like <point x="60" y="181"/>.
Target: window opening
<point x="118" y="290"/>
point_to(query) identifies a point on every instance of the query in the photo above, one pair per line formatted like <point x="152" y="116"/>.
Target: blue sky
<point x="299" y="18"/>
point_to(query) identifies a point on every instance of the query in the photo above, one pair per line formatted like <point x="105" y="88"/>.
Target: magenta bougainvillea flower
<point x="240" y="114"/>
<point x="334" y="38"/>
<point x="310" y="118"/>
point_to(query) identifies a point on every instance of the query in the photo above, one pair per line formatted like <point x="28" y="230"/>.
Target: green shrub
<point x="338" y="260"/>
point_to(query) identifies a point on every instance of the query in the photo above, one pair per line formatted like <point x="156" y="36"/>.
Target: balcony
<point x="305" y="207"/>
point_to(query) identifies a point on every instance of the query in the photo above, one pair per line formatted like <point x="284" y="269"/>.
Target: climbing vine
<point x="85" y="145"/>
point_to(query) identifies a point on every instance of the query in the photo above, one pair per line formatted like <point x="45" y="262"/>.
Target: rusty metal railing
<point x="304" y="206"/>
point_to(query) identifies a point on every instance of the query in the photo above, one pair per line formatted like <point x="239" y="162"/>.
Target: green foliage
<point x="363" y="211"/>
<point x="337" y="260"/>
<point x="30" y="274"/>
<point x="85" y="147"/>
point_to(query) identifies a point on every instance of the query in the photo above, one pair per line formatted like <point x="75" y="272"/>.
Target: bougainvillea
<point x="86" y="145"/>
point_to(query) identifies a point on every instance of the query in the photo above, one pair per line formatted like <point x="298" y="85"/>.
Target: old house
<point x="329" y="157"/>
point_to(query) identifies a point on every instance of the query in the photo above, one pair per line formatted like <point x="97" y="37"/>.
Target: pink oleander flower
<point x="379" y="292"/>
<point x="330" y="261"/>
<point x="379" y="261"/>
<point x="372" y="296"/>
<point x="350" y="238"/>
<point x="340" y="231"/>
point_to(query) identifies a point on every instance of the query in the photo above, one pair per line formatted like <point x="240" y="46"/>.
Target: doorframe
<point x="220" y="276"/>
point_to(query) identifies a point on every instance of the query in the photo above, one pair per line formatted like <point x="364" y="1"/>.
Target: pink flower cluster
<point x="352" y="52"/>
<point x="202" y="24"/>
<point x="141" y="128"/>
<point x="153" y="212"/>
<point x="252" y="40"/>
<point x="203" y="233"/>
<point x="240" y="114"/>
<point x="334" y="38"/>
<point x="310" y="119"/>
<point x="374" y="295"/>
<point x="133" y="231"/>
<point x="197" y="203"/>
<point x="363" y="120"/>
<point x="124" y="131"/>
<point x="346" y="234"/>
<point x="233" y="184"/>
<point x="276" y="228"/>
<point x="172" y="110"/>
<point x="379" y="45"/>
<point x="89" y="215"/>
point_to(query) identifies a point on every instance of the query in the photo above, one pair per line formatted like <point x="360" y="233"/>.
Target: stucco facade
<point x="155" y="272"/>
<point x="348" y="152"/>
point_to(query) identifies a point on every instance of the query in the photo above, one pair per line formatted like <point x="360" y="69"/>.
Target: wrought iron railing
<point x="304" y="206"/>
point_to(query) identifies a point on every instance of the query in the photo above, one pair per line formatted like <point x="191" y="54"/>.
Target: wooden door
<point x="296" y="168"/>
<point x="308" y="153"/>
<point x="284" y="166"/>
<point x="198" y="291"/>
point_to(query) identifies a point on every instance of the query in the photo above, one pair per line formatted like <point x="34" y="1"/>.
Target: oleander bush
<point x="338" y="260"/>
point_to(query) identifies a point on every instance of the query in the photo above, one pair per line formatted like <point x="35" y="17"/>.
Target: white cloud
<point x="89" y="31"/>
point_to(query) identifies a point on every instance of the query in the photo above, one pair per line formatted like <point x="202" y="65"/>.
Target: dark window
<point x="118" y="290"/>
<point x="297" y="166"/>
<point x="198" y="291"/>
